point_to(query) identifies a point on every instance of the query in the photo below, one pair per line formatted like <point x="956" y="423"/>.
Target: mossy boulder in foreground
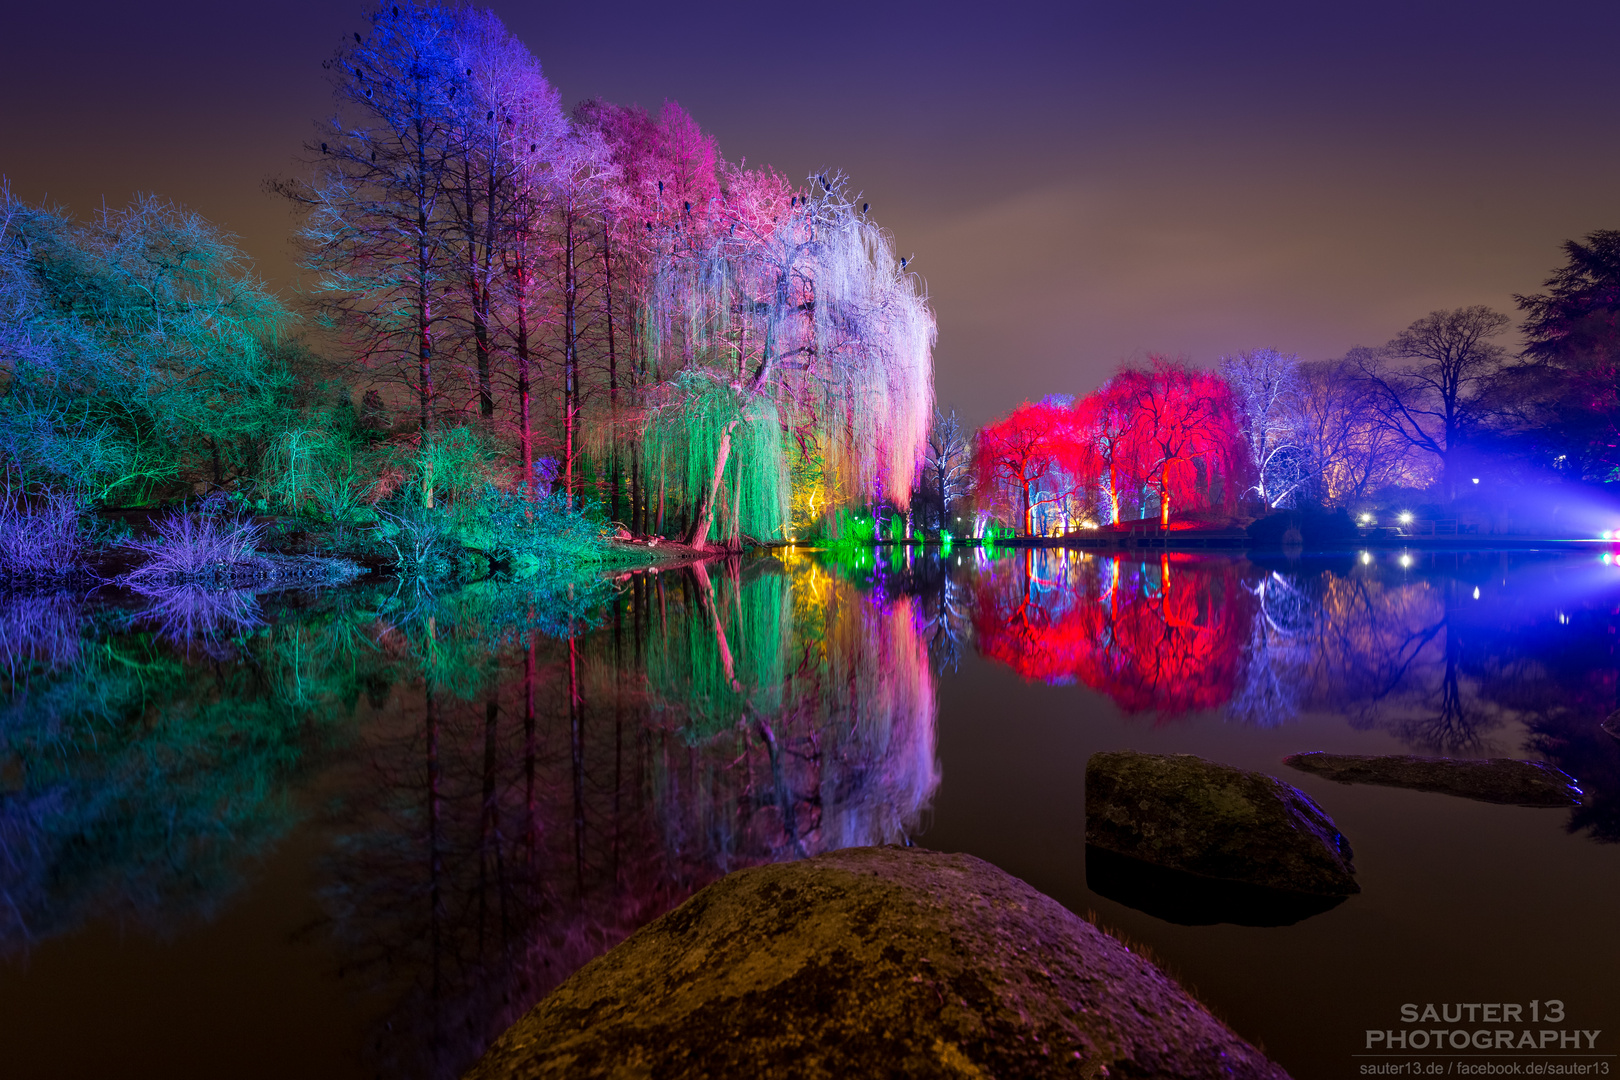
<point x="1186" y="813"/>
<point x="1495" y="780"/>
<point x="871" y="962"/>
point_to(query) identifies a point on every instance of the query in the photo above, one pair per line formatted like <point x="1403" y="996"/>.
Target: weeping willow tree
<point x="701" y="426"/>
<point x="772" y="322"/>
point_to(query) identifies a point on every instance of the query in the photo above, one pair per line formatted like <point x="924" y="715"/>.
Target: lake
<point x="357" y="832"/>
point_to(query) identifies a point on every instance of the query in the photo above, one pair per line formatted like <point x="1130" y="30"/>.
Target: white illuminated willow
<point x="784" y="323"/>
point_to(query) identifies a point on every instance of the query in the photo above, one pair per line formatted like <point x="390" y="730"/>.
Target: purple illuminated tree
<point x="378" y="232"/>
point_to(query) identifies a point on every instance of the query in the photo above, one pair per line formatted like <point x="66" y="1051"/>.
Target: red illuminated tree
<point x="1102" y="450"/>
<point x="1183" y="440"/>
<point x="1019" y="459"/>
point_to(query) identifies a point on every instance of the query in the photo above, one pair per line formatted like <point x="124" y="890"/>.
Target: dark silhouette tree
<point x="1438" y="383"/>
<point x="1572" y="332"/>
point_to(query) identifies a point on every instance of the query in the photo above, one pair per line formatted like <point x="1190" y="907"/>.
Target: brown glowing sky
<point x="1079" y="183"/>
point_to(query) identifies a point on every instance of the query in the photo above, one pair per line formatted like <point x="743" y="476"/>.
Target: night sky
<point x="1079" y="183"/>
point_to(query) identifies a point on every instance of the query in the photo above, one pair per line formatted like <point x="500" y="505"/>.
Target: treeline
<point x="702" y="349"/>
<point x="504" y="301"/>
<point x="1443" y="415"/>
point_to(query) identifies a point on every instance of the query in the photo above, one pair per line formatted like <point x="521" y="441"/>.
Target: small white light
<point x="1608" y="534"/>
<point x="1406" y="560"/>
<point x="1366" y="558"/>
<point x="1476" y="479"/>
<point x="1476" y="592"/>
<point x="1406" y="517"/>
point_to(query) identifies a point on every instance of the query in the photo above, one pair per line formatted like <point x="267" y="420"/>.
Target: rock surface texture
<point x="1494" y="780"/>
<point x="1186" y="813"/>
<point x="871" y="962"/>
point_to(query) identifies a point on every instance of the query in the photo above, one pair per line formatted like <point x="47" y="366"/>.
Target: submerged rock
<point x="1214" y="820"/>
<point x="1194" y="900"/>
<point x="871" y="961"/>
<point x="1494" y="780"/>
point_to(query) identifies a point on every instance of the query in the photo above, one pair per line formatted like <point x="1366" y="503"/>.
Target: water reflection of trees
<point x="526" y="820"/>
<point x="1403" y="644"/>
<point x="137" y="777"/>
<point x="1162" y="634"/>
<point x="527" y="775"/>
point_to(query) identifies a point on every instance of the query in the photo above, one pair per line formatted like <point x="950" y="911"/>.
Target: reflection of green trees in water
<point x="526" y="775"/>
<point x="524" y="820"/>
<point x="137" y="779"/>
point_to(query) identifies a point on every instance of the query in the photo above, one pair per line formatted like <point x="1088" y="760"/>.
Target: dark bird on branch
<point x="396" y="11"/>
<point x="323" y="148"/>
<point x="490" y="115"/>
<point x="532" y="146"/>
<point x="649" y="226"/>
<point x="903" y="263"/>
<point x="688" y="208"/>
<point x="374" y="157"/>
<point x="865" y="206"/>
<point x="368" y="93"/>
<point x="357" y="37"/>
<point x="450" y="92"/>
<point x="660" y="187"/>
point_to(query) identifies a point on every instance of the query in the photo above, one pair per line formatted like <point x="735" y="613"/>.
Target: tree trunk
<point x="570" y="362"/>
<point x="661" y="485"/>
<point x="705" y="511"/>
<point x="525" y="426"/>
<point x="613" y="368"/>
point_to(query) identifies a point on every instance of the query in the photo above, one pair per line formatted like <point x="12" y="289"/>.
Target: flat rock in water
<point x="1186" y="813"/>
<point x="1494" y="780"/>
<point x="871" y="961"/>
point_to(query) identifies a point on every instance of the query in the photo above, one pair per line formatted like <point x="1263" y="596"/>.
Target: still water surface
<point x="356" y="833"/>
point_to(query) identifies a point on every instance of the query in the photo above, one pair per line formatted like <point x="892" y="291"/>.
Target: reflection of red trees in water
<point x="1148" y="636"/>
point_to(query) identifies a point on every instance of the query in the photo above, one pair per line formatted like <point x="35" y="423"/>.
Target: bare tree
<point x="1265" y="387"/>
<point x="378" y="234"/>
<point x="1436" y="383"/>
<point x="1348" y="451"/>
<point x="509" y="126"/>
<point x="949" y="464"/>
